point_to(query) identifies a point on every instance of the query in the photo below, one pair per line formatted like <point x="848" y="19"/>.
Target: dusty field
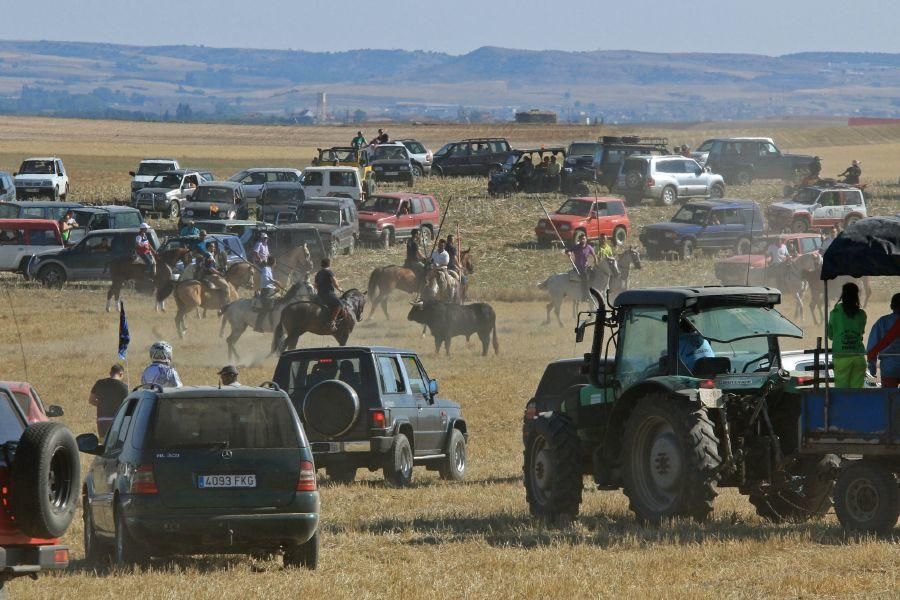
<point x="436" y="539"/>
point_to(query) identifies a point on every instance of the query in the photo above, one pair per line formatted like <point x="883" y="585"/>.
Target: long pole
<point x="559" y="237"/>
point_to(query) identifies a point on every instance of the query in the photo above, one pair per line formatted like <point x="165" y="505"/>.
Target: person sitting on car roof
<point x="359" y="141"/>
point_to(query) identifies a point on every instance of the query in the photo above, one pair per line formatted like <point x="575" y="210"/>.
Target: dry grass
<point x="437" y="539"/>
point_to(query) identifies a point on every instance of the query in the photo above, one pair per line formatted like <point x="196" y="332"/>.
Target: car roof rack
<point x="634" y="140"/>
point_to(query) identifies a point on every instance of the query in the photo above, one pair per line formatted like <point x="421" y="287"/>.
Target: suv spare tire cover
<point x="634" y="179"/>
<point x="331" y="407"/>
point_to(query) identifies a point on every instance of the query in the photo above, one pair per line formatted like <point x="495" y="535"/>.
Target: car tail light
<point x="379" y="419"/>
<point x="707" y="384"/>
<point x="650" y="182"/>
<point x="531" y="410"/>
<point x="143" y="481"/>
<point x="307" y="480"/>
<point x="804" y="379"/>
<point x="61" y="557"/>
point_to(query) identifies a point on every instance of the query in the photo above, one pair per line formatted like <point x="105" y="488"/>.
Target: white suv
<point x="666" y="179"/>
<point x="340" y="182"/>
<point x="43" y="177"/>
<point x="147" y="170"/>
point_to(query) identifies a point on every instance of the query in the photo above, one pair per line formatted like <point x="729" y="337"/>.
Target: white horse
<point x="568" y="284"/>
<point x="442" y="285"/>
<point x="242" y="314"/>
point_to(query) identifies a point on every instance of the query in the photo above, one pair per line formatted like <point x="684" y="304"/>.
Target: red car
<point x="591" y="216"/>
<point x="750" y="269"/>
<point x="30" y="402"/>
<point x="387" y="218"/>
<point x="40" y="483"/>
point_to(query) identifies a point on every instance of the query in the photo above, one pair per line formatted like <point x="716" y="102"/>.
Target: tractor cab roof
<point x="699" y="296"/>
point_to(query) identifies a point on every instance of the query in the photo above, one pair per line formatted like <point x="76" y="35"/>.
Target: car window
<point x="417" y="383"/>
<point x="128" y="219"/>
<point x="11" y="425"/>
<point x="23" y="400"/>
<point x="313" y="178"/>
<point x="644" y="343"/>
<point x="342" y="178"/>
<point x="830" y="198"/>
<point x="33" y="212"/>
<point x="59" y="168"/>
<point x="416" y="206"/>
<point x="669" y="166"/>
<point x="691" y="166"/>
<point x="748" y="148"/>
<point x="119" y="428"/>
<point x="615" y="208"/>
<point x="286" y="176"/>
<point x="389" y="375"/>
<point x="807" y="245"/>
<point x="11" y="237"/>
<point x="429" y="204"/>
<point x="852" y="198"/>
<point x="767" y="149"/>
<point x="459" y="150"/>
<point x="97" y="244"/>
<point x="415" y="147"/>
<point x="733" y="216"/>
<point x="42" y="237"/>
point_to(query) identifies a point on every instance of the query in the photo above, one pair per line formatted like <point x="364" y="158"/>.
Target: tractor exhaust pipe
<point x="597" y="345"/>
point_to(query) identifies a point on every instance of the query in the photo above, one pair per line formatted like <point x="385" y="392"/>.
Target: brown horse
<point x="124" y="269"/>
<point x="241" y="275"/>
<point x="310" y="317"/>
<point x="191" y="294"/>
<point x="385" y="280"/>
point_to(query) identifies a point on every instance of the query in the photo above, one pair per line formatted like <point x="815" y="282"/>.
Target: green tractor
<point x="684" y="396"/>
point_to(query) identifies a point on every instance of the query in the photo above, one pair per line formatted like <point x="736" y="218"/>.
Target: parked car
<point x="291" y="236"/>
<point x="109" y="216"/>
<point x="39" y="474"/>
<point x="391" y="162"/>
<point x="147" y="170"/>
<point x="742" y="159"/>
<point x="421" y="156"/>
<point x="36" y="209"/>
<point x="388" y="218"/>
<point x="607" y="154"/>
<point x="589" y="216"/>
<point x="7" y="187"/>
<point x="278" y="202"/>
<point x="88" y="259"/>
<point x="666" y="179"/>
<point x="337" y="222"/>
<point x="42" y="177"/>
<point x="709" y="225"/>
<point x="235" y="252"/>
<point x="804" y="362"/>
<point x="201" y="470"/>
<point x="166" y="193"/>
<point x="341" y="156"/>
<point x="744" y="267"/>
<point x="247" y="231"/>
<point x="375" y="408"/>
<point x="20" y="239"/>
<point x="252" y="181"/>
<point x="30" y="402"/>
<point x="216" y="200"/>
<point x="510" y="178"/>
<point x="477" y="156"/>
<point x="342" y="182"/>
<point x="818" y="207"/>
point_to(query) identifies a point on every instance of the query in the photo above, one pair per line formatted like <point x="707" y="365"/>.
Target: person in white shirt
<point x="161" y="372"/>
<point x="440" y="258"/>
<point x="261" y="250"/>
<point x="228" y="376"/>
<point x="778" y="255"/>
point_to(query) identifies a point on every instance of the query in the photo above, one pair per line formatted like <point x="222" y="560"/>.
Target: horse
<point x="566" y="284"/>
<point x="310" y="317"/>
<point x="125" y="268"/>
<point x="241" y="275"/>
<point x="296" y="263"/>
<point x="442" y="285"/>
<point x="191" y="294"/>
<point x="632" y="258"/>
<point x="241" y="315"/>
<point x="812" y="278"/>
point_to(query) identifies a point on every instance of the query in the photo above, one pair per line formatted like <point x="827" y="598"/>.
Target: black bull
<point x="447" y="320"/>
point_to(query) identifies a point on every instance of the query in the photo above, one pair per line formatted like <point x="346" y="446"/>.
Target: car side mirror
<point x="132" y="173"/>
<point x="579" y="331"/>
<point x="698" y="171"/>
<point x="89" y="444"/>
<point x="433" y="387"/>
<point x="55" y="411"/>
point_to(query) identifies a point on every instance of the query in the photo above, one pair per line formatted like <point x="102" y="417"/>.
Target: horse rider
<point x="581" y="253"/>
<point x="144" y="250"/>
<point x="852" y="173"/>
<point x="260" y="252"/>
<point x="604" y="250"/>
<point x="268" y="287"/>
<point x="327" y="287"/>
<point x="415" y="259"/>
<point x="160" y="370"/>
<point x="189" y="229"/>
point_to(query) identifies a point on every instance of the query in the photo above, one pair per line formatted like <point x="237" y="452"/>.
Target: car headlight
<point x="568" y="169"/>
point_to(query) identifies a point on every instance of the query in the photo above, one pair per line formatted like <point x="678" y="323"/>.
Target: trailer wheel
<point x="867" y="497"/>
<point x="807" y="496"/>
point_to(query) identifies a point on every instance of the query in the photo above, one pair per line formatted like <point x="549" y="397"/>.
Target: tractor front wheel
<point x="553" y="474"/>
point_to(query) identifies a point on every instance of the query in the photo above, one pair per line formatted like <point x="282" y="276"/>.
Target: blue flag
<point x="124" y="336"/>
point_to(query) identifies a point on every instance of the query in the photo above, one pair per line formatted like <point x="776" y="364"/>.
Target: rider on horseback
<point x="414" y="257"/>
<point x="580" y="254"/>
<point x="160" y="371"/>
<point x="326" y="291"/>
<point x="267" y="289"/>
<point x="144" y="250"/>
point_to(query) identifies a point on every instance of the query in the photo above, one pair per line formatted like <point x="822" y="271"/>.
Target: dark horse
<point x="385" y="280"/>
<point x="126" y="268"/>
<point x="310" y="317"/>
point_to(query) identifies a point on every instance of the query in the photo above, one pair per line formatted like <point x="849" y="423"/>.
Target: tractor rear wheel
<point x="808" y="495"/>
<point x="553" y="475"/>
<point x="670" y="460"/>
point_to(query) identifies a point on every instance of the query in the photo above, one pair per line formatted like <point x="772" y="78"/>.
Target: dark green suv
<point x="201" y="470"/>
<point x="373" y="407"/>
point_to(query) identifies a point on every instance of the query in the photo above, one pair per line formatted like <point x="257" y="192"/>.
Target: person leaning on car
<point x="107" y="395"/>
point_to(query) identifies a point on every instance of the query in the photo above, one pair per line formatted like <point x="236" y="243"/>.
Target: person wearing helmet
<point x="160" y="371"/>
<point x="852" y="173"/>
<point x="144" y="250"/>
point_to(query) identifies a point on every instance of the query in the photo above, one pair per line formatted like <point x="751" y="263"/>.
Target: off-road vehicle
<point x="816" y="207"/>
<point x="167" y="193"/>
<point x="693" y="399"/>
<point x="376" y="408"/>
<point x="512" y="176"/>
<point x="666" y="180"/>
<point x="602" y="168"/>
<point x="147" y="169"/>
<point x="42" y="177"/>
<point x="742" y="159"/>
<point x="477" y="156"/>
<point x="391" y="162"/>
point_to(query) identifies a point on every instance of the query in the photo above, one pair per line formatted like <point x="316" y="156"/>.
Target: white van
<point x="341" y="182"/>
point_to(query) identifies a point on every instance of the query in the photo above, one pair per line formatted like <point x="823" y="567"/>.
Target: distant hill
<point x="197" y="82"/>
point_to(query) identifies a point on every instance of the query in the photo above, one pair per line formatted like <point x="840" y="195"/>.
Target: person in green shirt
<point x="359" y="141"/>
<point x="605" y="250"/>
<point x="846" y="325"/>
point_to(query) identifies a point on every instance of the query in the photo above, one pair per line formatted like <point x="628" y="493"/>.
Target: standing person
<point x="107" y="395"/>
<point x="846" y="325"/>
<point x="268" y="286"/>
<point x="228" y="376"/>
<point x="815" y="168"/>
<point x="778" y="256"/>
<point x="144" y="250"/>
<point x="852" y="173"/>
<point x="66" y="225"/>
<point x="552" y="181"/>
<point x="327" y="287"/>
<point x="359" y="141"/>
<point x="686" y="151"/>
<point x="260" y="253"/>
<point x="414" y="256"/>
<point x="604" y="250"/>
<point x="884" y="343"/>
<point x="160" y="370"/>
<point x="382" y="137"/>
<point x="581" y="253"/>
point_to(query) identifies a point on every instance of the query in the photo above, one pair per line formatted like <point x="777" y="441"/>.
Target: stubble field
<point x="436" y="539"/>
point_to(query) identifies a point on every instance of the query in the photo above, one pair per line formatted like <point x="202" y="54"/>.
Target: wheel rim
<point x="60" y="482"/>
<point x="460" y="461"/>
<point x="716" y="192"/>
<point x="862" y="500"/>
<point x="657" y="464"/>
<point x="417" y="171"/>
<point x="668" y="196"/>
<point x="52" y="277"/>
<point x="406" y="463"/>
<point x="173" y="210"/>
<point x="541" y="470"/>
<point x="688" y="249"/>
<point x="620" y="236"/>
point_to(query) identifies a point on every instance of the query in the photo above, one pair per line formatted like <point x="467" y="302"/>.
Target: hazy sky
<point x="458" y="26"/>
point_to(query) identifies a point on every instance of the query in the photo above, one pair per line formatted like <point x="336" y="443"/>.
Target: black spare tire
<point x="331" y="407"/>
<point x="46" y="475"/>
